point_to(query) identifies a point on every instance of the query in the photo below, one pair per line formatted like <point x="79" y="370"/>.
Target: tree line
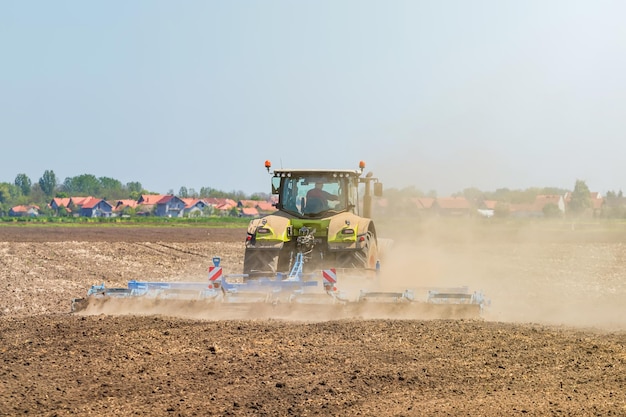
<point x="23" y="191"/>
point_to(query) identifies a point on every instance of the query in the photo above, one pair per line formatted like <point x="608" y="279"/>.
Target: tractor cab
<point x="316" y="193"/>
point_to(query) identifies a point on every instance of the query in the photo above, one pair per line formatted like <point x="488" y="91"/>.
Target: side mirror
<point x="378" y="189"/>
<point x="275" y="185"/>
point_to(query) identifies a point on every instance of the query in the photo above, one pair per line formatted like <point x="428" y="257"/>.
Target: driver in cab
<point x="317" y="199"/>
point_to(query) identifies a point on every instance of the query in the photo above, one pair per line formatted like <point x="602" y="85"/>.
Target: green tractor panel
<point x="320" y="215"/>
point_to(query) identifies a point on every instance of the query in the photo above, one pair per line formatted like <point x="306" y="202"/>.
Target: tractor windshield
<point x="314" y="196"/>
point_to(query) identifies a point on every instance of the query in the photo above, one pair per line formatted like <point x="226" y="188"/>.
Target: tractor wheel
<point x="366" y="257"/>
<point x="260" y="262"/>
<point x="370" y="251"/>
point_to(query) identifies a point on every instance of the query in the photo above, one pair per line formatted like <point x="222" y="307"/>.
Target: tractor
<point x="320" y="221"/>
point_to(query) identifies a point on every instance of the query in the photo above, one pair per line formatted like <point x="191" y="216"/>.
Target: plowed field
<point x="552" y="343"/>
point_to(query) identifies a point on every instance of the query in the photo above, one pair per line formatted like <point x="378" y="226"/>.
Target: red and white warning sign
<point x="330" y="275"/>
<point x="215" y="273"/>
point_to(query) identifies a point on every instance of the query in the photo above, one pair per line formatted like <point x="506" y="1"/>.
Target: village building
<point x="24" y="211"/>
<point x="96" y="207"/>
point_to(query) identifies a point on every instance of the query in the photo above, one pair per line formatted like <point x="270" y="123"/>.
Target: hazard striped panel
<point x="330" y="275"/>
<point x="215" y="273"/>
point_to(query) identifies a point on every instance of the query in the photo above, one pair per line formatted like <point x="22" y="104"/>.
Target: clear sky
<point x="441" y="94"/>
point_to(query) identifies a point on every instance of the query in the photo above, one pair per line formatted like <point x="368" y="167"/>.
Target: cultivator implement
<point x="306" y="296"/>
<point x="461" y="295"/>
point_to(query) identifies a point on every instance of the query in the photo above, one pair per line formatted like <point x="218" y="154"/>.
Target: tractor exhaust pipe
<point x="367" y="197"/>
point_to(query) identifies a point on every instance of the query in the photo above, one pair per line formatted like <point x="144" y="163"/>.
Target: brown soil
<point x="552" y="343"/>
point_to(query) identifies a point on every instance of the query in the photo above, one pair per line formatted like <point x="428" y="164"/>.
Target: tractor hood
<point x="339" y="230"/>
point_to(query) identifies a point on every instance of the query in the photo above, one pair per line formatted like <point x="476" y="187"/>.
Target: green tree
<point x="37" y="195"/>
<point x="23" y="183"/>
<point x="48" y="183"/>
<point x="62" y="212"/>
<point x="134" y="195"/>
<point x="260" y="197"/>
<point x="206" y="192"/>
<point x="581" y="198"/>
<point x="110" y="184"/>
<point x="5" y="194"/>
<point x="128" y="211"/>
<point x="214" y="193"/>
<point x="9" y="193"/>
<point x="86" y="184"/>
<point x="110" y="188"/>
<point x="237" y="195"/>
<point x="46" y="211"/>
<point x="134" y="186"/>
<point x="194" y="214"/>
<point x="183" y="192"/>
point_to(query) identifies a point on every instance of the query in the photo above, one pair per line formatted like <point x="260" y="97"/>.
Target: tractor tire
<point x="364" y="258"/>
<point x="370" y="251"/>
<point x="262" y="262"/>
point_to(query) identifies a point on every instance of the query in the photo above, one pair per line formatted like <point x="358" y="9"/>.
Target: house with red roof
<point x="96" y="207"/>
<point x="57" y="203"/>
<point x="170" y="206"/>
<point x="247" y="203"/>
<point x="221" y="205"/>
<point x="24" y="211"/>
<point x="266" y="207"/>
<point x="417" y="206"/>
<point x="261" y="206"/>
<point x="194" y="206"/>
<point x="217" y="202"/>
<point x="146" y="203"/>
<point x="73" y="204"/>
<point x="150" y="199"/>
<point x="249" y="212"/>
<point x="452" y="206"/>
<point x="538" y="207"/>
<point x="80" y="201"/>
<point x="597" y="202"/>
<point x="120" y="205"/>
<point x="225" y="208"/>
<point x="423" y="203"/>
<point x="489" y="204"/>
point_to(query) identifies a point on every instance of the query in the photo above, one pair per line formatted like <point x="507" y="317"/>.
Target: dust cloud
<point x="545" y="272"/>
<point x="531" y="272"/>
<point x="540" y="272"/>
